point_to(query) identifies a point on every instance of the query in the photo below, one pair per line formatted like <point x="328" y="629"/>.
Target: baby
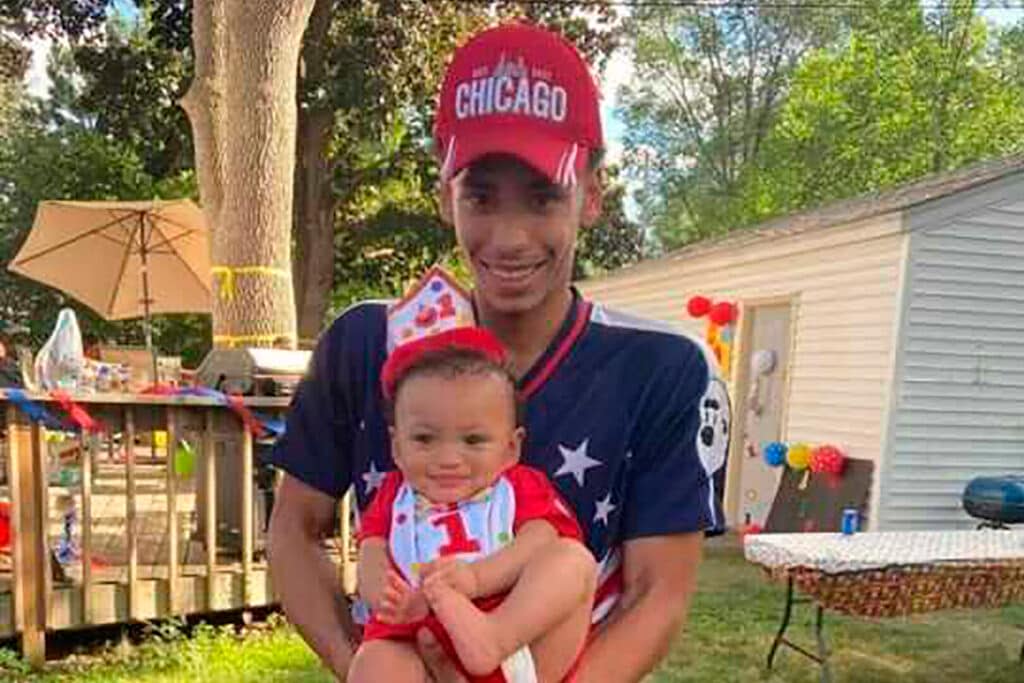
<point x="463" y="540"/>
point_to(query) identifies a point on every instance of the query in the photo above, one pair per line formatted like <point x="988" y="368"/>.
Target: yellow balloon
<point x="799" y="456"/>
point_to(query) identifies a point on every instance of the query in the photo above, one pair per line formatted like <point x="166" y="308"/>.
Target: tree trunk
<point x="314" y="224"/>
<point x="204" y="103"/>
<point x="314" y="199"/>
<point x="243" y="115"/>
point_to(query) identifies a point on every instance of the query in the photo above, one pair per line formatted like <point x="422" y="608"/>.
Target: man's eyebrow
<point x="478" y="181"/>
<point x="545" y="186"/>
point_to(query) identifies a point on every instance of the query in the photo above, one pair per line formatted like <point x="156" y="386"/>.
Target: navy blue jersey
<point x="626" y="417"/>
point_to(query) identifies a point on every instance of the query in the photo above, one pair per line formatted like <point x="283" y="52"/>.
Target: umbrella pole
<point x="147" y="322"/>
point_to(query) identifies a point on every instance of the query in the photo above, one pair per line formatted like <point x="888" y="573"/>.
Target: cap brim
<point x="562" y="162"/>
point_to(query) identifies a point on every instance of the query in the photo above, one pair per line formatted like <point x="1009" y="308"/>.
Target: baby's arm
<point x="496" y="573"/>
<point x="392" y="599"/>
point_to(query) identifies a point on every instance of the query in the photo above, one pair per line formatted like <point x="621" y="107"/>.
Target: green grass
<point x="275" y="653"/>
<point x="733" y="620"/>
<point x="737" y="611"/>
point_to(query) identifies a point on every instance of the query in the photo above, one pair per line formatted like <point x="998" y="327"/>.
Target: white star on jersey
<point x="576" y="462"/>
<point x="604" y="508"/>
<point x="373" y="478"/>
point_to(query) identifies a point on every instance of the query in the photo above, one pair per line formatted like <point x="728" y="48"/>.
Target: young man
<point x="626" y="418"/>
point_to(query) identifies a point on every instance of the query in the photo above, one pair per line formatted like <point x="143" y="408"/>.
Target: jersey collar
<point x="571" y="330"/>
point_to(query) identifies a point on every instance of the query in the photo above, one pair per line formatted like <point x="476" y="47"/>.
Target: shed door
<point x="768" y="361"/>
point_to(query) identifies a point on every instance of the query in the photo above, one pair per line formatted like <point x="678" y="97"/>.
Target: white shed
<point x="897" y="321"/>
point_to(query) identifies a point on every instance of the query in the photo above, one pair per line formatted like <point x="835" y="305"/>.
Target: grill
<point x="998" y="501"/>
<point x="253" y="372"/>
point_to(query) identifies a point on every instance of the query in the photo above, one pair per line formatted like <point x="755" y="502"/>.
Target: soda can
<point x="851" y="521"/>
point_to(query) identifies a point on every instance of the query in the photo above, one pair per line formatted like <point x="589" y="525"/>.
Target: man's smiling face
<point x="518" y="230"/>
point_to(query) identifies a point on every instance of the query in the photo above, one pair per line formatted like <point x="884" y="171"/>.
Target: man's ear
<point x="593" y="199"/>
<point x="444" y="202"/>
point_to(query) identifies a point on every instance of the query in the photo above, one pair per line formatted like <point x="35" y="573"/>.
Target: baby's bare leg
<point x="549" y="599"/>
<point x="555" y="651"/>
<point x="387" y="660"/>
<point x="567" y="568"/>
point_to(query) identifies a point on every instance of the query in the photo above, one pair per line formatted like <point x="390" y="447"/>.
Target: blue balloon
<point x="775" y="454"/>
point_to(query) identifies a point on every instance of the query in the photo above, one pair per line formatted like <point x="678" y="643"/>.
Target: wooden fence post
<point x="172" y="513"/>
<point x="210" y="509"/>
<point x="30" y="546"/>
<point x="88" y="443"/>
<point x="248" y="546"/>
<point x="131" y="513"/>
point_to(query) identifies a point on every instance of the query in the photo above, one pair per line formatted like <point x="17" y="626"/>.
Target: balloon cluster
<point x="722" y="313"/>
<point x="827" y="459"/>
<point x="721" y="316"/>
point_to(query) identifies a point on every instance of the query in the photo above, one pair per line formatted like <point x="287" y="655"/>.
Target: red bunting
<point x="76" y="413"/>
<point x="254" y="426"/>
<point x="5" y="526"/>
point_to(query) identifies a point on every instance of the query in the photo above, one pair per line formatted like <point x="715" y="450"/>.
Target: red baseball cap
<point x="522" y="90"/>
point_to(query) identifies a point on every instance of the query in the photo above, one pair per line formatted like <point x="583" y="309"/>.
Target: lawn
<point x="736" y="613"/>
<point x="734" y="617"/>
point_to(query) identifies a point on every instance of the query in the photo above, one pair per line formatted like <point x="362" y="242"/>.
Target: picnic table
<point x="888" y="574"/>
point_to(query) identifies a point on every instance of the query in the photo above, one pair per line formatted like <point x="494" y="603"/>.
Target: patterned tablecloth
<point x="835" y="553"/>
<point x="897" y="573"/>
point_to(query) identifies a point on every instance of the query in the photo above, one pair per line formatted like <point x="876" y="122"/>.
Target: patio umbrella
<point x="122" y="259"/>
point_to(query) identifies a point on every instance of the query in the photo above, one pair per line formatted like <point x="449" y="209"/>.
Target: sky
<point x="617" y="72"/>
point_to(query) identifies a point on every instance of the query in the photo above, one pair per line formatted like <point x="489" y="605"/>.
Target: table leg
<point x="781" y="635"/>
<point x="823" y="653"/>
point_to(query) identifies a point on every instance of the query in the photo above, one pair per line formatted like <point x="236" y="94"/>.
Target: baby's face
<point x="454" y="435"/>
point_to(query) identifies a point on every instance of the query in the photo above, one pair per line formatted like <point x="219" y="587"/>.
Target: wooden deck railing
<point x="164" y="576"/>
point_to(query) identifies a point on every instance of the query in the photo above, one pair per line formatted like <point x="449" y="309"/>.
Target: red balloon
<point x="828" y="459"/>
<point x="723" y="313"/>
<point x="698" y="306"/>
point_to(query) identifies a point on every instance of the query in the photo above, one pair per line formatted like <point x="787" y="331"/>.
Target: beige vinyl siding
<point x="959" y="411"/>
<point x="844" y="280"/>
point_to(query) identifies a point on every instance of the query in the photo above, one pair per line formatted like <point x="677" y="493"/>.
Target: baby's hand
<point x="399" y="603"/>
<point x="460" y="576"/>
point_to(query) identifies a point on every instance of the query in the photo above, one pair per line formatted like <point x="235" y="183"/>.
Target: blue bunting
<point x="272" y="426"/>
<point x="33" y="410"/>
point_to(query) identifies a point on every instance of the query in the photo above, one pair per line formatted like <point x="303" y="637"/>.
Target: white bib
<point x="469" y="530"/>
